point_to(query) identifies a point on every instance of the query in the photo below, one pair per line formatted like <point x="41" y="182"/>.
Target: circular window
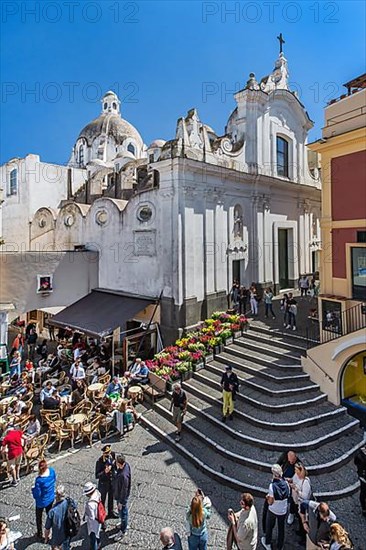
<point x="42" y="222"/>
<point x="69" y="220"/>
<point x="144" y="214"/>
<point x="101" y="217"/>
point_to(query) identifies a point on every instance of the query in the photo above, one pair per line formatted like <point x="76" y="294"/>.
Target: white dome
<point x="157" y="143"/>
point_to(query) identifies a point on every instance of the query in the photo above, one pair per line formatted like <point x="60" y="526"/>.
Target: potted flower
<point x="236" y="330"/>
<point x="198" y="361"/>
<point x="226" y="336"/>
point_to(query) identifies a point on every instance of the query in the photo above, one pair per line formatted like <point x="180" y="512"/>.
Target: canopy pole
<point x="149" y="324"/>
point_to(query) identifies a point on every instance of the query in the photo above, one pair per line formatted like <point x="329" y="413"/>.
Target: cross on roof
<point x="281" y="41"/>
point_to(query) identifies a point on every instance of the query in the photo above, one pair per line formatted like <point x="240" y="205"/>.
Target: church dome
<point x="110" y="124"/>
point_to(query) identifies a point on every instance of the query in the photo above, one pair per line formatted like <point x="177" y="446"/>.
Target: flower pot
<point x="217" y="349"/>
<point x="237" y="334"/>
<point x="185" y="376"/>
<point x="229" y="341"/>
<point x="209" y="358"/>
<point x="198" y="366"/>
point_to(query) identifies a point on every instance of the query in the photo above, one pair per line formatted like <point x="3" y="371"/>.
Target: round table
<point x="74" y="421"/>
<point x="135" y="393"/>
<point x="95" y="387"/>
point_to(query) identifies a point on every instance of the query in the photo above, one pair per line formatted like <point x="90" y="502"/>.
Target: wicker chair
<point x="105" y="378"/>
<point x="89" y="429"/>
<point x="63" y="434"/>
<point x="84" y="407"/>
<point x="48" y="415"/>
<point x="105" y="422"/>
<point x="35" y="451"/>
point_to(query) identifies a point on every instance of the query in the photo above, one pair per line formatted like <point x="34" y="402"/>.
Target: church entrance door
<point x="236" y="270"/>
<point x="283" y="258"/>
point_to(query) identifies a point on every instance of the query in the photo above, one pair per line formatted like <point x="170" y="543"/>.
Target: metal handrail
<point x="351" y="320"/>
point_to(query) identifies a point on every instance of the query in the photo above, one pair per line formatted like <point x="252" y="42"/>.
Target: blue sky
<point x="163" y="58"/>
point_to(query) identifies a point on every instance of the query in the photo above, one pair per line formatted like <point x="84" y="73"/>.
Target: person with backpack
<point x="318" y="522"/>
<point x="63" y="521"/>
<point x="277" y="498"/>
<point x="43" y="493"/>
<point x="93" y="514"/>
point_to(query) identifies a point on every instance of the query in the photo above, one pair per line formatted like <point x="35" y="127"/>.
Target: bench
<point x="156" y="387"/>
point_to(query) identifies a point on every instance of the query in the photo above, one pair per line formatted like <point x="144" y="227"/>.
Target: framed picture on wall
<point x="44" y="284"/>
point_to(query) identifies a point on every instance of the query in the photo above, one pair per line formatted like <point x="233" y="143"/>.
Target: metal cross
<point x="281" y="41"/>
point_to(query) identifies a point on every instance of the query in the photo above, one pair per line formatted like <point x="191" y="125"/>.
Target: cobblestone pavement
<point x="163" y="483"/>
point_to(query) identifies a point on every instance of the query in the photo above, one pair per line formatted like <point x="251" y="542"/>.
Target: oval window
<point x="144" y="214"/>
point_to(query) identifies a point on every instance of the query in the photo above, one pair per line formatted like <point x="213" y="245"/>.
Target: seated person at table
<point x="77" y="372"/>
<point x="15" y="383"/>
<point x="138" y="373"/>
<point x="79" y="392"/>
<point x="33" y="429"/>
<point x="49" y="397"/>
<point x="17" y="406"/>
<point x="114" y="389"/>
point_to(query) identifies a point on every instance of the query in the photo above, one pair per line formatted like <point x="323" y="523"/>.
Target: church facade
<point x="182" y="218"/>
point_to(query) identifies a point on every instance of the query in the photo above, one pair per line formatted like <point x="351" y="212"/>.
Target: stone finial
<point x="252" y="83"/>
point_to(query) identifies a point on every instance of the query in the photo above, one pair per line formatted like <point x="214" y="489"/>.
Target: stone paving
<point x="163" y="484"/>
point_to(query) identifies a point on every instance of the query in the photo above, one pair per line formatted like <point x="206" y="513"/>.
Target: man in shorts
<point x="12" y="445"/>
<point x="179" y="406"/>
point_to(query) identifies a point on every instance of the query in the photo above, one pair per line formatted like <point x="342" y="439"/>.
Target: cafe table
<point x="54" y="381"/>
<point x="74" y="422"/>
<point x="135" y="393"/>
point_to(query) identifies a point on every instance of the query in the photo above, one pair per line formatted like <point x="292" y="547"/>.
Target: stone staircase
<point x="278" y="408"/>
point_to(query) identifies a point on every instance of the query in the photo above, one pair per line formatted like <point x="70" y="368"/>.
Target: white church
<point x="181" y="218"/>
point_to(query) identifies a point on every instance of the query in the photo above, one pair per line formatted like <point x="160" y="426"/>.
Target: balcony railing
<point x="350" y="320"/>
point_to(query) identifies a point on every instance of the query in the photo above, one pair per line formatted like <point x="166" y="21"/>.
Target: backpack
<point x="101" y="512"/>
<point x="72" y="519"/>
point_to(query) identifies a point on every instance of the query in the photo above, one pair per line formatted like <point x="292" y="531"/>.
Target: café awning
<point x="100" y="313"/>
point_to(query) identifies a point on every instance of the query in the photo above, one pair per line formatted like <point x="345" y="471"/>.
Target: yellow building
<point x="338" y="364"/>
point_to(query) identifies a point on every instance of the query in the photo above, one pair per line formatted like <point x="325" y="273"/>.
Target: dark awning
<point x="99" y="313"/>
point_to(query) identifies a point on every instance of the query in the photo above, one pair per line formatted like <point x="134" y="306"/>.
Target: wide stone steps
<point x="263" y="392"/>
<point x="262" y="358"/>
<point x="277" y="418"/>
<point x="261" y="340"/>
<point x="267" y="372"/>
<point x="247" y="429"/>
<point x="267" y="352"/>
<point x="232" y="466"/>
<point x="283" y="337"/>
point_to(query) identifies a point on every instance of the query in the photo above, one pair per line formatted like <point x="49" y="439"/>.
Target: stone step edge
<point x="251" y="344"/>
<point x="258" y="372"/>
<point x="226" y="480"/>
<point x="279" y="446"/>
<point x="255" y="359"/>
<point x="252" y="333"/>
<point x="261" y="404"/>
<point x="265" y="466"/>
<point x="278" y="332"/>
<point x="312" y="420"/>
<point x="268" y="391"/>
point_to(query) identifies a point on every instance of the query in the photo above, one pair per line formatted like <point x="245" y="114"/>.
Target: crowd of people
<point x="245" y="300"/>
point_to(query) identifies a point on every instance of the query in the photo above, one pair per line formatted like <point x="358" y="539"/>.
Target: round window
<point x="69" y="220"/>
<point x="101" y="217"/>
<point x="145" y="214"/>
<point x="42" y="222"/>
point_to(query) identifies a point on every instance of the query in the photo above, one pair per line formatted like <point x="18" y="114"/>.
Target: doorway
<point x="283" y="258"/>
<point x="236" y="270"/>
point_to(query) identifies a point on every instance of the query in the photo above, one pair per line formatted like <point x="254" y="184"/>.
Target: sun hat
<point x="89" y="487"/>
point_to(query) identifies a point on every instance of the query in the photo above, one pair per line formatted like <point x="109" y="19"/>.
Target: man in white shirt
<point x="277" y="498"/>
<point x="244" y="524"/>
<point x="77" y="372"/>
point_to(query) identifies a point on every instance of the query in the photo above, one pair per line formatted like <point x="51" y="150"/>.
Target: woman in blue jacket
<point x="43" y="493"/>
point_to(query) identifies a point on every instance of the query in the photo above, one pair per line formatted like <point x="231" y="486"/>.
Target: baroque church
<point x="181" y="219"/>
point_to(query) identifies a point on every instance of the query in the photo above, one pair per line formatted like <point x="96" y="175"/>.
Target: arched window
<point x="282" y="157"/>
<point x="13" y="187"/>
<point x="238" y="222"/>
<point x="81" y="155"/>
<point x="105" y="105"/>
<point x="114" y="105"/>
<point x="131" y="148"/>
